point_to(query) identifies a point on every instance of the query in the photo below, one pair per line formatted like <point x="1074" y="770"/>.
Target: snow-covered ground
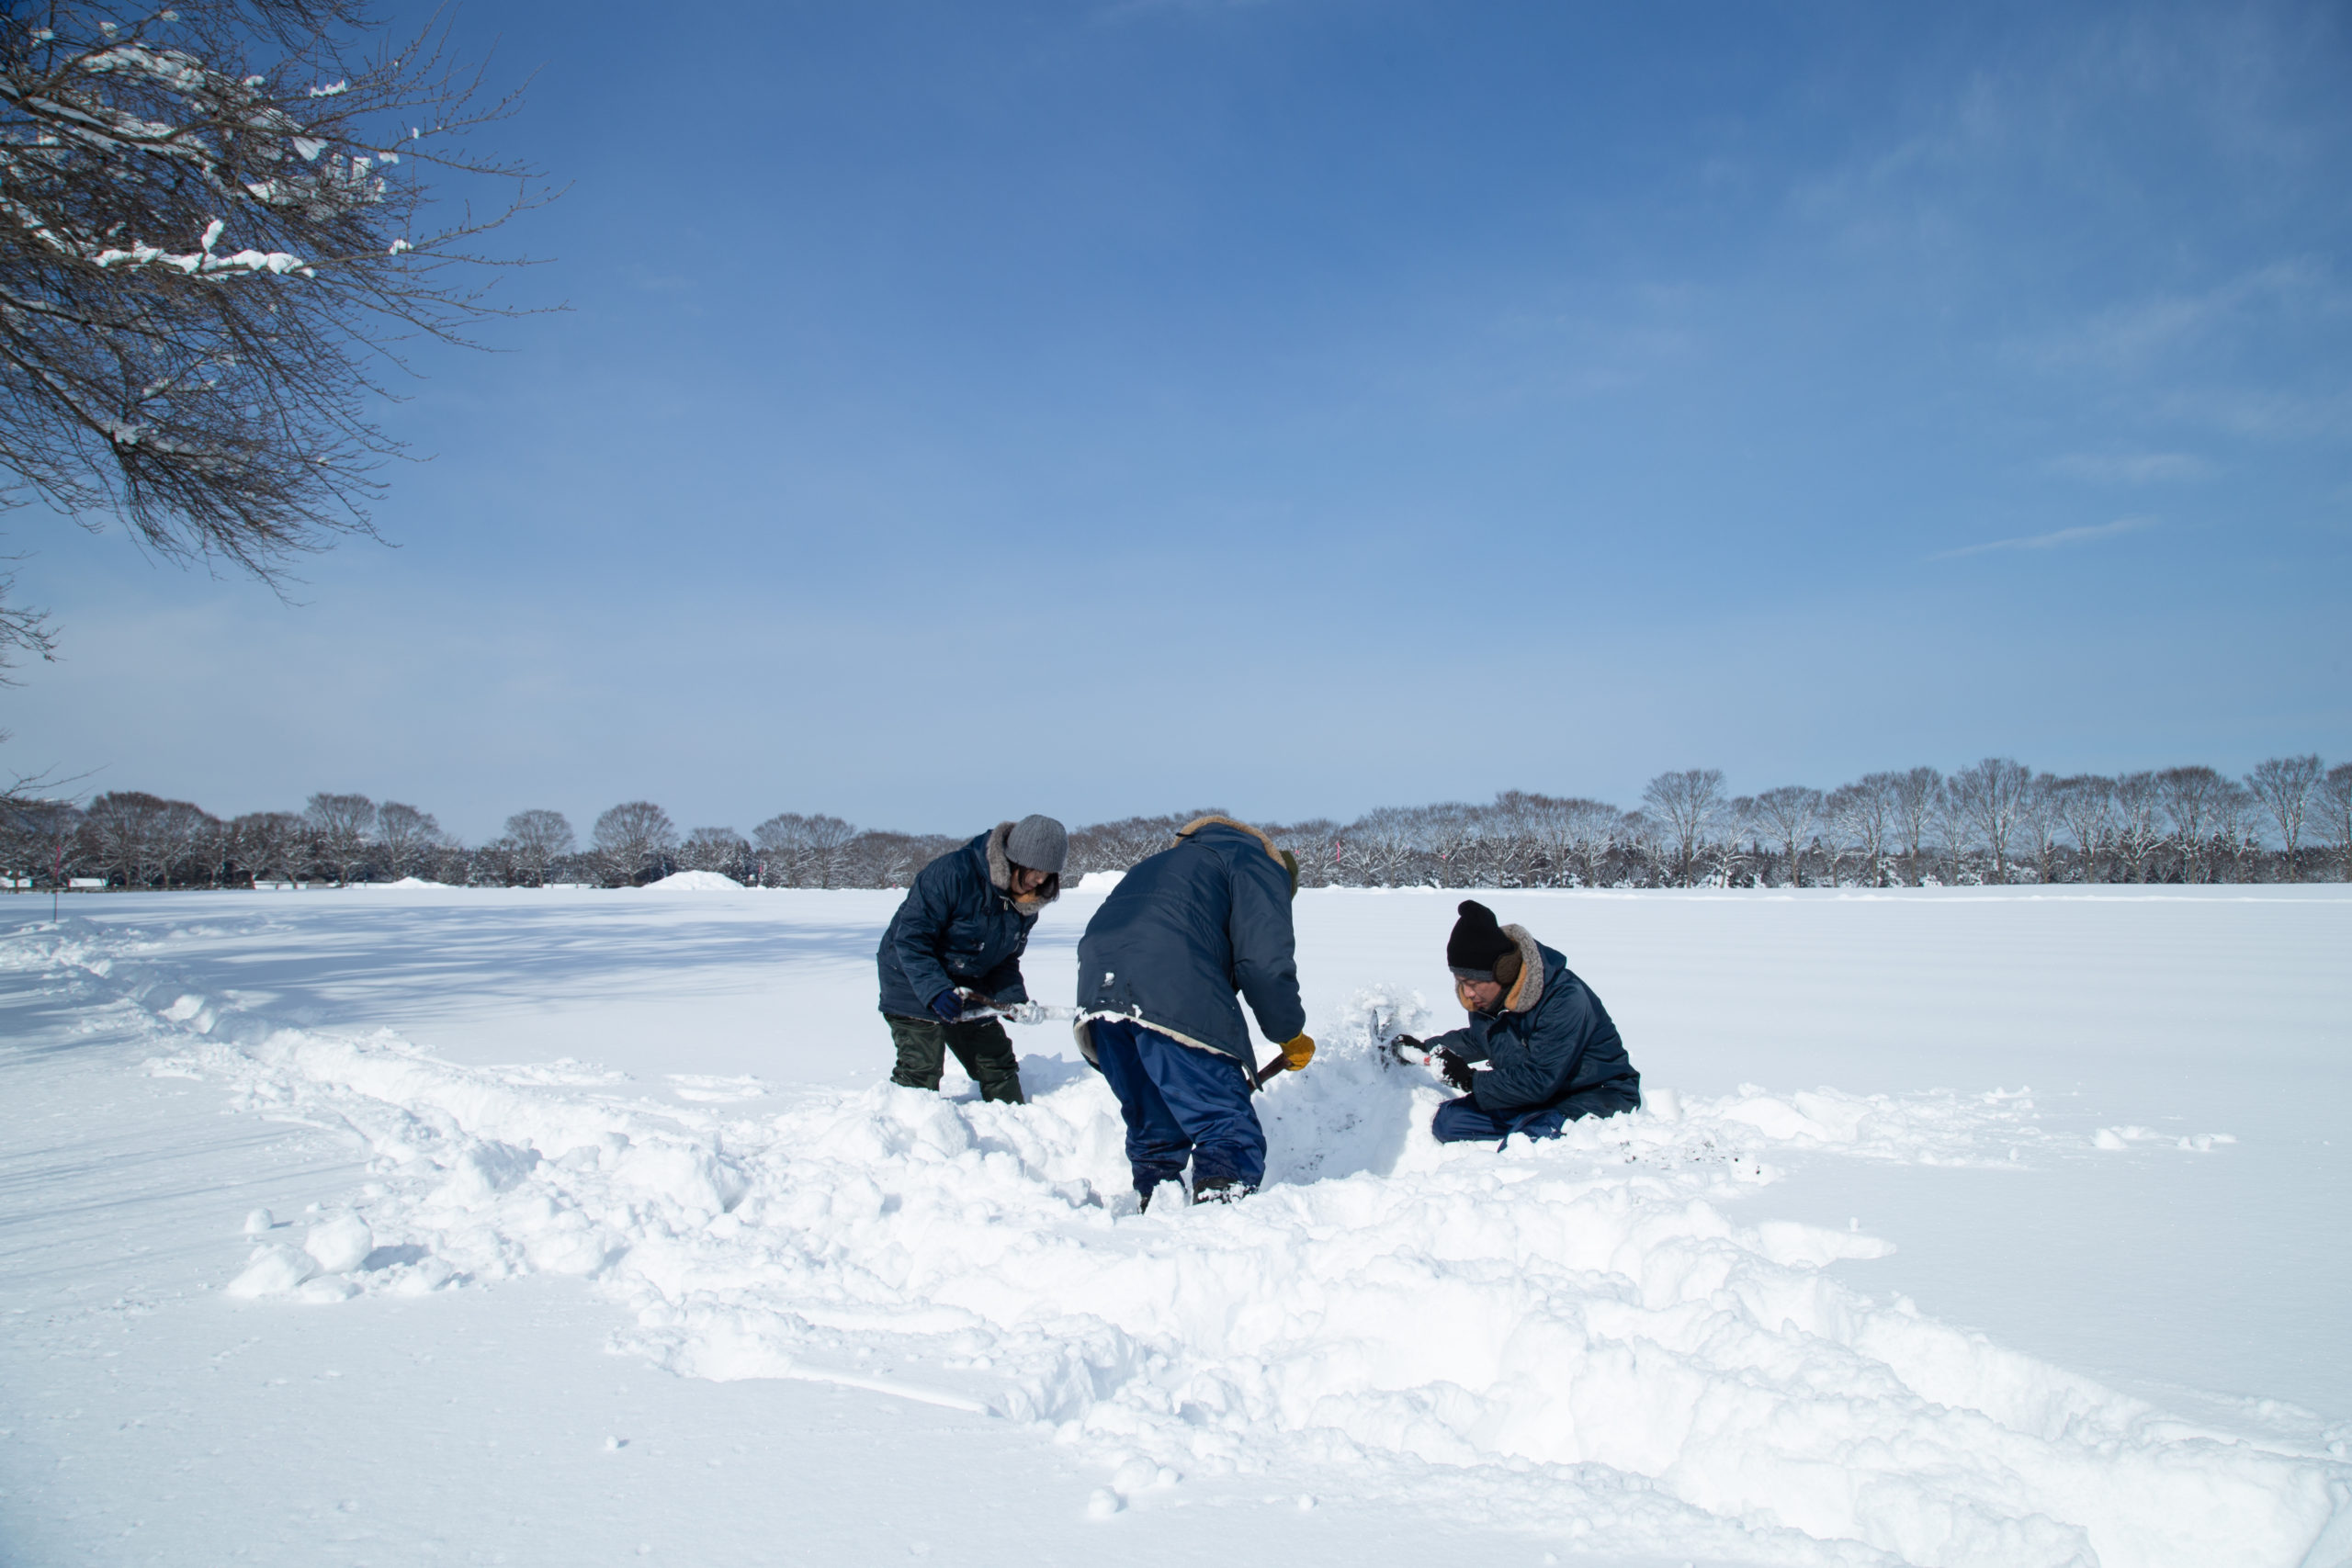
<point x="1965" y="1227"/>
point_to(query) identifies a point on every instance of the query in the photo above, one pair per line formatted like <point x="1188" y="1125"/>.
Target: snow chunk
<point x="274" y="1271"/>
<point x="340" y="1244"/>
<point x="484" y="1170"/>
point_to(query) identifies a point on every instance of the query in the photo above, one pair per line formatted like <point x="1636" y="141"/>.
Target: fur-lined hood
<point x="1000" y="873"/>
<point x="1528" y="990"/>
<point x="1281" y="858"/>
<point x="1197" y="823"/>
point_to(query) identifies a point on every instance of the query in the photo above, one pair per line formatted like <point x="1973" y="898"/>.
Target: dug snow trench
<point x="1577" y="1332"/>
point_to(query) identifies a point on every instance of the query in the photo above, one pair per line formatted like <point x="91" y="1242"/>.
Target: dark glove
<point x="948" y="1005"/>
<point x="1401" y="1045"/>
<point x="1455" y="1071"/>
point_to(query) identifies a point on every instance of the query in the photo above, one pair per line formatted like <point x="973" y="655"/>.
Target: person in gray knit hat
<point x="955" y="943"/>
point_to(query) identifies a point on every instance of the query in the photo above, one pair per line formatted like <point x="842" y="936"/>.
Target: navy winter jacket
<point x="1188" y="927"/>
<point x="1550" y="1043"/>
<point x="959" y="925"/>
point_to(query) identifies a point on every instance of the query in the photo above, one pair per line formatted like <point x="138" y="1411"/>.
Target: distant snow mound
<point x="695" y="881"/>
<point x="406" y="882"/>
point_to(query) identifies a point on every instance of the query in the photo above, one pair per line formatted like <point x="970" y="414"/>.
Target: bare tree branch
<point x="215" y="226"/>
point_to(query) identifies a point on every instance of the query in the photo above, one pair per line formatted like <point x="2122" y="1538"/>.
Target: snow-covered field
<point x="1968" y="1227"/>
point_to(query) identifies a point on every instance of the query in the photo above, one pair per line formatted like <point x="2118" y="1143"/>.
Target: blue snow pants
<point x="1180" y="1101"/>
<point x="1462" y="1122"/>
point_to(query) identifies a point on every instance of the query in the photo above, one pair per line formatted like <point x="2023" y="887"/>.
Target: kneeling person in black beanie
<point x="1552" y="1054"/>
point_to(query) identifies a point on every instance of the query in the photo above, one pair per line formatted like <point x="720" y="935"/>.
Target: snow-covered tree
<point x="340" y="826"/>
<point x="1690" y="808"/>
<point x="407" y="837"/>
<point x="891" y="860"/>
<point x="268" y="846"/>
<point x="1311" y="842"/>
<point x="2138" y="834"/>
<point x="1914" y="792"/>
<point x="720" y="850"/>
<point x="1861" y="816"/>
<point x="781" y="840"/>
<point x="634" y="841"/>
<point x="214" y="225"/>
<point x="2237" y="832"/>
<point x="37" y="837"/>
<point x="2333" y="816"/>
<point x="1791" y="814"/>
<point x="1948" y="824"/>
<point x="798" y="850"/>
<point x="1595" y="831"/>
<point x="189" y="844"/>
<point x="2085" y="803"/>
<point x="122" y="836"/>
<point x="2284" y="786"/>
<point x="1387" y="842"/>
<point x="2192" y="798"/>
<point x="1115" y="846"/>
<point x="2037" y="819"/>
<point x="1569" y="840"/>
<point x="1992" y="796"/>
<point x="828" y="843"/>
<point x="538" y="838"/>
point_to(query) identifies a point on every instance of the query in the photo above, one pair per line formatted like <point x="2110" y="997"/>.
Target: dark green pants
<point x="983" y="1049"/>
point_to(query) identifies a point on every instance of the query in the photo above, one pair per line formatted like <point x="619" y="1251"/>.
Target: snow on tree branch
<point x="218" y="221"/>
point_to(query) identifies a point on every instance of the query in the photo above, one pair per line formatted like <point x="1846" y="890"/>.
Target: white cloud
<point x="2269" y="413"/>
<point x="2053" y="541"/>
<point x="2127" y="336"/>
<point x="2130" y="468"/>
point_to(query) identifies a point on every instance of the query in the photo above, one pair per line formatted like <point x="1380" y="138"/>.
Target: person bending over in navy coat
<point x="1158" y="969"/>
<point x="1552" y="1054"/>
<point x="956" y="942"/>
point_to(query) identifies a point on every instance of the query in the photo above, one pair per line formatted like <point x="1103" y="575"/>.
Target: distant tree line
<point x="132" y="840"/>
<point x="1994" y="822"/>
<point x="1997" y="821"/>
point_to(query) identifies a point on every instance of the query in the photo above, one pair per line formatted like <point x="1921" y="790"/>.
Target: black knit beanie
<point x="1478" y="943"/>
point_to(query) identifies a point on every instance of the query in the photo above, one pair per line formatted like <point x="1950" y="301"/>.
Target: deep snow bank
<point x="1579" y="1334"/>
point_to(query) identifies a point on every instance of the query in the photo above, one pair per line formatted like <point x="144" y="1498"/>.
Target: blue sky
<point x="1307" y="406"/>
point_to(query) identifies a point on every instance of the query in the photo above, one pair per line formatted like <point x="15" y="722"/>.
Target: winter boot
<point x="1221" y="1189"/>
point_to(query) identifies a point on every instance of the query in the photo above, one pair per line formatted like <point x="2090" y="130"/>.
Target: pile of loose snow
<point x="694" y="882"/>
<point x="1579" y="1334"/>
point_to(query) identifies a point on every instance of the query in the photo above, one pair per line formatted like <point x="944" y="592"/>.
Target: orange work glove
<point x="1297" y="1053"/>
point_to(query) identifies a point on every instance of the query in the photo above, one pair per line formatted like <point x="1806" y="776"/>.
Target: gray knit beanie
<point x="1039" y="843"/>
